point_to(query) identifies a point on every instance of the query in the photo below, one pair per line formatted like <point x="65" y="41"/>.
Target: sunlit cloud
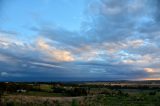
<point x="149" y="70"/>
<point x="54" y="53"/>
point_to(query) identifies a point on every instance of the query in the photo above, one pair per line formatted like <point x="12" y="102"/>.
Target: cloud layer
<point x="116" y="41"/>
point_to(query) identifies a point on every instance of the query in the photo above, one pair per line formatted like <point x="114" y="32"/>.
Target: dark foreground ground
<point x="117" y="93"/>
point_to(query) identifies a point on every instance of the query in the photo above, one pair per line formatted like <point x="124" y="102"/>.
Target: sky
<point x="79" y="40"/>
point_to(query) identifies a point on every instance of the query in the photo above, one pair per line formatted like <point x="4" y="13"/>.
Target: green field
<point x="80" y="94"/>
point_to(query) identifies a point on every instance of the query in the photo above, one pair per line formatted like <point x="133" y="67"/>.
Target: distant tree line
<point x="75" y="91"/>
<point x="13" y="87"/>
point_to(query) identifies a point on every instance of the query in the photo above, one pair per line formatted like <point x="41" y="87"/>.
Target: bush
<point x="74" y="103"/>
<point x="152" y="93"/>
<point x="10" y="104"/>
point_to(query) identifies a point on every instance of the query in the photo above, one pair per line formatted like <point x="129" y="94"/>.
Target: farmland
<point x="110" y="93"/>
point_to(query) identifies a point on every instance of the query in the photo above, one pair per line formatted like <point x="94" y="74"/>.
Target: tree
<point x="1" y="93"/>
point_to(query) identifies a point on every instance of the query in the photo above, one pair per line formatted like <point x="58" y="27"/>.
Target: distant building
<point x="21" y="91"/>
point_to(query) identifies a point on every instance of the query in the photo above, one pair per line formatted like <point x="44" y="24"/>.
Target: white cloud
<point x="4" y="74"/>
<point x="46" y="65"/>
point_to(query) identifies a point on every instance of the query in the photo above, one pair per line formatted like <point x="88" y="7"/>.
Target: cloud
<point x="55" y="53"/>
<point x="4" y="74"/>
<point x="118" y="40"/>
<point x="46" y="65"/>
<point x="149" y="70"/>
<point x="5" y="58"/>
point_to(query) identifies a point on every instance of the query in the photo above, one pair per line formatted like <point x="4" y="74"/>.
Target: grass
<point x="142" y="99"/>
<point x="38" y="93"/>
<point x="43" y="95"/>
<point x="46" y="87"/>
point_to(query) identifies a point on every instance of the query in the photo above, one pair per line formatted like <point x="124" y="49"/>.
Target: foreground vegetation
<point x="80" y="94"/>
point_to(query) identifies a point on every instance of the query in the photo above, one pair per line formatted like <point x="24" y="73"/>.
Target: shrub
<point x="74" y="102"/>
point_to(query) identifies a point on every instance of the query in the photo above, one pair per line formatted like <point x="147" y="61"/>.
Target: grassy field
<point x="96" y="100"/>
<point x="80" y="95"/>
